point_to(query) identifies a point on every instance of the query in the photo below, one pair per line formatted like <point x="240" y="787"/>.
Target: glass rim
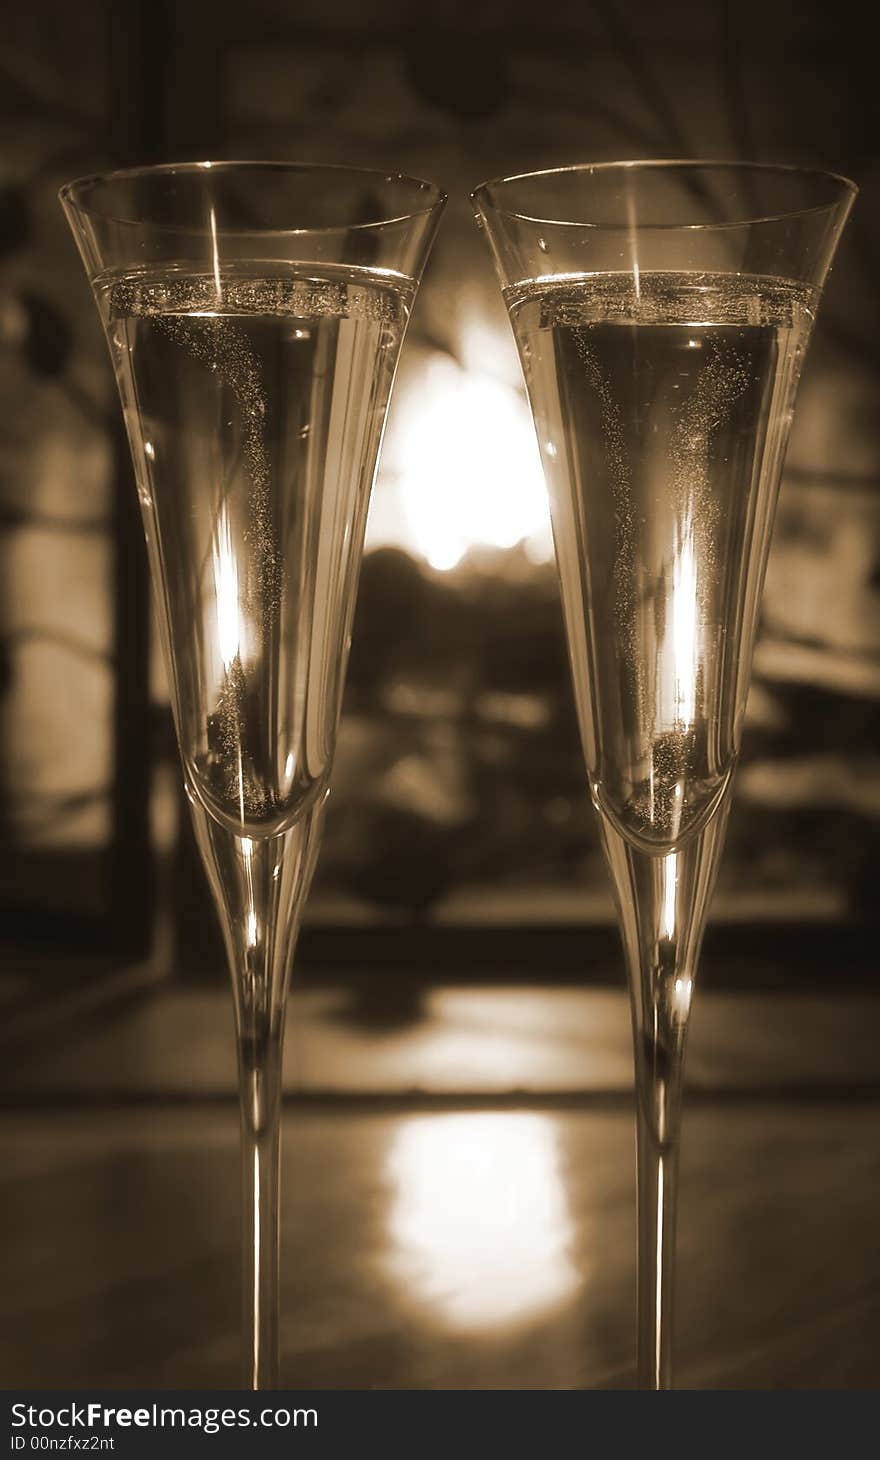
<point x="847" y="189"/>
<point x="67" y="193"/>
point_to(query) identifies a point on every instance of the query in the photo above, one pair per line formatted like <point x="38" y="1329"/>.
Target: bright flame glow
<point x="479" y="1222"/>
<point x="229" y="628"/>
<point x="468" y="467"/>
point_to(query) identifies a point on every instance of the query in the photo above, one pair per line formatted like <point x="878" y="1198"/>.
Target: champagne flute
<point x="255" y="314"/>
<point x="662" y="311"/>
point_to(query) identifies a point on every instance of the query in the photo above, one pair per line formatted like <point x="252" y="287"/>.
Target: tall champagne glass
<point x="662" y="311"/>
<point x="255" y="314"/>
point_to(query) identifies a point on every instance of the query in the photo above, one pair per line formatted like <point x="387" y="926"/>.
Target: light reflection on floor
<point x="479" y="1224"/>
<point x="779" y="1247"/>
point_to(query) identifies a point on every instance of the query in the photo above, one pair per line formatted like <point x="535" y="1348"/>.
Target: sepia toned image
<point x="492" y="712"/>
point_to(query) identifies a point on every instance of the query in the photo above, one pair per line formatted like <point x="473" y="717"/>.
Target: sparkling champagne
<point x="662" y="404"/>
<point x="255" y="406"/>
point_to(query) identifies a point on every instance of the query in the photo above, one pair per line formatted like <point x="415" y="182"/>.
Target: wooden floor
<point x="484" y="1241"/>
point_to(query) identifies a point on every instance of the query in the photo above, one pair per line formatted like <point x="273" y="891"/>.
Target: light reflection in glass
<point x="225" y="570"/>
<point x="685" y="629"/>
<point x="252" y="923"/>
<point x="683" y="989"/>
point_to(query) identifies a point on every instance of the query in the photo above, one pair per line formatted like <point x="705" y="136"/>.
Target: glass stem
<point x="662" y="899"/>
<point x="659" y="1069"/>
<point x="259" y="1070"/>
<point x="260" y="885"/>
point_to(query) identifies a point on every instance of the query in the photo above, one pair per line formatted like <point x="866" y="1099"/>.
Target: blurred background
<point x="458" y="1055"/>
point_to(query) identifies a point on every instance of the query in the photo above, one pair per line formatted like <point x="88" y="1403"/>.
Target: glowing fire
<point x="467" y="469"/>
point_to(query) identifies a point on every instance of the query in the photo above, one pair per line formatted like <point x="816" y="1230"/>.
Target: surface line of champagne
<point x="662" y="411"/>
<point x="255" y="405"/>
